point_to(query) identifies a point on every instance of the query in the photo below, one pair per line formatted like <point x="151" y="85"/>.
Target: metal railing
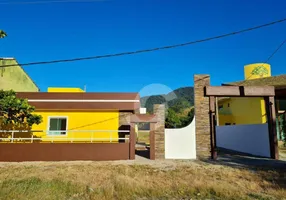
<point x="69" y="136"/>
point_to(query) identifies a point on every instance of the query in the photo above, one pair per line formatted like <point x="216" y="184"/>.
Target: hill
<point x="179" y="106"/>
<point x="180" y="98"/>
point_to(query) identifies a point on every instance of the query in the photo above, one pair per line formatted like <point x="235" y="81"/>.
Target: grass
<point x="282" y="153"/>
<point x="109" y="180"/>
<point x="143" y="137"/>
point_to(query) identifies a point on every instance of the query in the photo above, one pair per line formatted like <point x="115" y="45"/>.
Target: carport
<point x="268" y="93"/>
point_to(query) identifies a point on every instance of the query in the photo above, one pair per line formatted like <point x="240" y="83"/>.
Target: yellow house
<point x="72" y="115"/>
<point x="245" y="110"/>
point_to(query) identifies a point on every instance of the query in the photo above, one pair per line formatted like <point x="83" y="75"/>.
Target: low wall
<point x="13" y="152"/>
<point x="181" y="143"/>
<point x="252" y="139"/>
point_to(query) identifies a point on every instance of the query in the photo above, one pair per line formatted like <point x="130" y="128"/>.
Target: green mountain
<point x="178" y="99"/>
<point x="179" y="107"/>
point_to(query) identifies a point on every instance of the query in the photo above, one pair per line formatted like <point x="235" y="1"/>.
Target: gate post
<point x="203" y="142"/>
<point x="159" y="111"/>
<point x="132" y="142"/>
<point x="271" y="119"/>
<point x="152" y="141"/>
<point x="213" y="127"/>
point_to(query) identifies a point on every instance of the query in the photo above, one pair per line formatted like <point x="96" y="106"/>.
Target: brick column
<point x="159" y="111"/>
<point x="124" y="118"/>
<point x="202" y="116"/>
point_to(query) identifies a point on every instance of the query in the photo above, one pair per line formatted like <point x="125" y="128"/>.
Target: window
<point x="228" y="105"/>
<point x="227" y="124"/>
<point x="57" y="126"/>
<point x="220" y="107"/>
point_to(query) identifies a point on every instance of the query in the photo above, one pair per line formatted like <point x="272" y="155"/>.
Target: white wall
<point x="181" y="143"/>
<point x="252" y="139"/>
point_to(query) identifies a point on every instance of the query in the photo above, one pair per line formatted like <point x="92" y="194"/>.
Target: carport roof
<point x="279" y="82"/>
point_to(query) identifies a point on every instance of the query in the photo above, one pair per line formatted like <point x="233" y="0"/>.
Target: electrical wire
<point x="276" y="50"/>
<point x="149" y="50"/>
<point x="269" y="58"/>
<point x="46" y="2"/>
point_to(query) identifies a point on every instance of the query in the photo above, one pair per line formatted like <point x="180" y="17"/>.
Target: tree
<point x="16" y="112"/>
<point x="181" y="105"/>
<point x="172" y="119"/>
<point x="185" y="121"/>
<point x="3" y="34"/>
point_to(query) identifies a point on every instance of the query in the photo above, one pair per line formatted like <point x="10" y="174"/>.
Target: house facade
<point x="72" y="115"/>
<point x="15" y="78"/>
<point x="236" y="111"/>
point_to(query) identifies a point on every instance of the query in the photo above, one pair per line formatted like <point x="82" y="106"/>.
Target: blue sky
<point x="40" y="32"/>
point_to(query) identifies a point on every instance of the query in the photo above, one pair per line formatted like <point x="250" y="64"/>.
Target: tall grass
<point x="91" y="180"/>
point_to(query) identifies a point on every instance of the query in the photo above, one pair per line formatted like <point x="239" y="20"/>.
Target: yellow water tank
<point x="56" y="89"/>
<point x="257" y="70"/>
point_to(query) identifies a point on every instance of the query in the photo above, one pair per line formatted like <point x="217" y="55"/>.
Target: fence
<point x="252" y="139"/>
<point x="180" y="143"/>
<point x="69" y="136"/>
<point x="67" y="147"/>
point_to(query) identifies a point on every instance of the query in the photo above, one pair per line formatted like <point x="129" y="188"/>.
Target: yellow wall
<point x="257" y="70"/>
<point x="245" y="110"/>
<point x="242" y="110"/>
<point x="106" y="120"/>
<point x="56" y="89"/>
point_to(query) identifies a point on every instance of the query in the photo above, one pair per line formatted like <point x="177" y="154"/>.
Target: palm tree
<point x="3" y="34"/>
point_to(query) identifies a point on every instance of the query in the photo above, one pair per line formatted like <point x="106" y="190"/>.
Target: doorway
<point x="142" y="147"/>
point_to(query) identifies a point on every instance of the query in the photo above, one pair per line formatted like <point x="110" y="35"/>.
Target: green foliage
<point x="178" y="120"/>
<point x="3" y="34"/>
<point x="186" y="120"/>
<point x="16" y="111"/>
<point x="181" y="105"/>
<point x="178" y="102"/>
<point x="175" y="98"/>
<point x="172" y="119"/>
<point x="156" y="99"/>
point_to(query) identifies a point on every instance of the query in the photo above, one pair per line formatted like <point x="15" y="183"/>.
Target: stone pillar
<point x="124" y="118"/>
<point x="124" y="124"/>
<point x="203" y="142"/>
<point x="159" y="111"/>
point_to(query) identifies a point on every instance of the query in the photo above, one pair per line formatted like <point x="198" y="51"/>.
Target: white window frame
<point x="57" y="117"/>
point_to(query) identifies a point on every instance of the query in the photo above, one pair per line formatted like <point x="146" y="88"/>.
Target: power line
<point x="46" y="2"/>
<point x="276" y="50"/>
<point x="271" y="56"/>
<point x="152" y="49"/>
